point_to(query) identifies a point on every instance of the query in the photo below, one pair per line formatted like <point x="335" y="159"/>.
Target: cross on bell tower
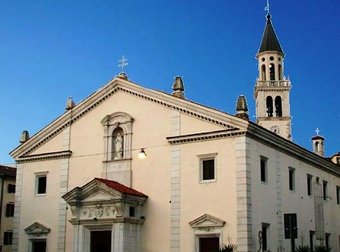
<point x="272" y="89"/>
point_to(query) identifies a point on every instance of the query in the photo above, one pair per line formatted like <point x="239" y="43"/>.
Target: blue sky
<point x="50" y="50"/>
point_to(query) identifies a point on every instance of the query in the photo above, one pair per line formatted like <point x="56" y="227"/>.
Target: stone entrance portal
<point x="107" y="216"/>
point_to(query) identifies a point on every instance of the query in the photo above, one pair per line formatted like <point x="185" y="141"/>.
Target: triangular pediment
<point x="37" y="229"/>
<point x="101" y="195"/>
<point x="212" y="116"/>
<point x="207" y="221"/>
<point x="101" y="190"/>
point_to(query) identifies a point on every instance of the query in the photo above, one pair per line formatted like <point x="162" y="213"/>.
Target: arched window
<point x="118" y="144"/>
<point x="316" y="146"/>
<point x="280" y="72"/>
<point x="278" y="106"/>
<point x="263" y="72"/>
<point x="269" y="105"/>
<point x="272" y="71"/>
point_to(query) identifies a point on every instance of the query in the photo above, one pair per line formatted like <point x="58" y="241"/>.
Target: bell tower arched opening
<point x="272" y="71"/>
<point x="263" y="72"/>
<point x="269" y="105"/>
<point x="280" y="72"/>
<point x="278" y="106"/>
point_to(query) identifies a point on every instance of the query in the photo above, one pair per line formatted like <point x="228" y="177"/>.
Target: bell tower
<point x="272" y="88"/>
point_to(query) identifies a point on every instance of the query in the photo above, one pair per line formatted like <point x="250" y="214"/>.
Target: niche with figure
<point x="118" y="144"/>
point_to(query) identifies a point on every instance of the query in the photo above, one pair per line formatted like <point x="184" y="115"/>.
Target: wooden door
<point x="209" y="244"/>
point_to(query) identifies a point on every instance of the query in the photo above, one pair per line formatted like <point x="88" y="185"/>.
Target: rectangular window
<point x="338" y="195"/>
<point x="311" y="240"/>
<point x="11" y="188"/>
<point x="309" y="184"/>
<point x="10" y="209"/>
<point x="264" y="169"/>
<point x="265" y="227"/>
<point x="324" y="187"/>
<point x="327" y="240"/>
<point x="208" y="169"/>
<point x="292" y="179"/>
<point x="207" y="164"/>
<point x="8" y="237"/>
<point x="41" y="182"/>
<point x="132" y="211"/>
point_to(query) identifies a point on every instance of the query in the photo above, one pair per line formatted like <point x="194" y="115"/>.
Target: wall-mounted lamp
<point x="142" y="154"/>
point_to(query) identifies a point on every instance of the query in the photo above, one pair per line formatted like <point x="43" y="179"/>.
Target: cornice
<point x="205" y="136"/>
<point x="271" y="139"/>
<point x="44" y="156"/>
<point x="69" y="117"/>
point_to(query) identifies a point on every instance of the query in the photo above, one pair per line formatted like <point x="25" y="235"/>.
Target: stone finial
<point x="242" y="108"/>
<point x="122" y="75"/>
<point x="178" y="87"/>
<point x="70" y="103"/>
<point x="24" y="136"/>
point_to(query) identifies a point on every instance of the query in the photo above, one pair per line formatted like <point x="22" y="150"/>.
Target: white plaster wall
<point x="40" y="208"/>
<point x="268" y="208"/>
<point x="214" y="198"/>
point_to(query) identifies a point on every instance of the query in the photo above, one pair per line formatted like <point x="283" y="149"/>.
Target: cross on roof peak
<point x="123" y="62"/>
<point x="317" y="131"/>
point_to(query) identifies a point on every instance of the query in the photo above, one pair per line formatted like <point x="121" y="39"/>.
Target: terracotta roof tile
<point x="121" y="188"/>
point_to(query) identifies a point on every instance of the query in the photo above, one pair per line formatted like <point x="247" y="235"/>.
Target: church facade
<point x="133" y="169"/>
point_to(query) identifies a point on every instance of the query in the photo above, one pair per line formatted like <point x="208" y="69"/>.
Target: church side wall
<point x="272" y="199"/>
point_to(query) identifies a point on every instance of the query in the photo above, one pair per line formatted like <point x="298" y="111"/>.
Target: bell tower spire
<point x="272" y="89"/>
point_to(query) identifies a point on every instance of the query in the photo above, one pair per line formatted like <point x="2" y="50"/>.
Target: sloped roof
<point x="7" y="171"/>
<point x="191" y="108"/>
<point x="270" y="42"/>
<point x="121" y="188"/>
<point x="99" y="184"/>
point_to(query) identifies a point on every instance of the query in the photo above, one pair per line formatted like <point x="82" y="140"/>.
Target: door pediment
<point x="37" y="229"/>
<point x="207" y="221"/>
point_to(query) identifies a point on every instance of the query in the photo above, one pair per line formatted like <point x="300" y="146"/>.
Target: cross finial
<point x="267" y="8"/>
<point x="123" y="62"/>
<point x="317" y="131"/>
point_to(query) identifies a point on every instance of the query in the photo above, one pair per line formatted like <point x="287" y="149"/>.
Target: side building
<point x="7" y="193"/>
<point x="131" y="169"/>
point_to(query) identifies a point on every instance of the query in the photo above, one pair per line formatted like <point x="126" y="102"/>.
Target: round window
<point x="271" y="58"/>
<point x="263" y="59"/>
